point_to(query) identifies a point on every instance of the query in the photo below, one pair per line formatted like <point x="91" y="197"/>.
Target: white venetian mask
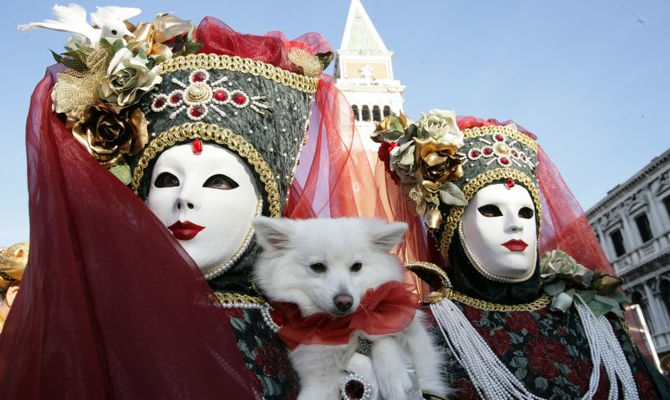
<point x="207" y="201"/>
<point x="499" y="233"/>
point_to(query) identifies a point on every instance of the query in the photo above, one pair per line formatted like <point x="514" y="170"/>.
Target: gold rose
<point x="154" y="34"/>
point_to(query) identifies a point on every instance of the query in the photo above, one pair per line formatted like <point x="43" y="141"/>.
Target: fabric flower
<point x="542" y="355"/>
<point x="441" y="126"/>
<point x="498" y="339"/>
<point x="108" y="132"/>
<point x="440" y="162"/>
<point x="518" y="321"/>
<point x="128" y="78"/>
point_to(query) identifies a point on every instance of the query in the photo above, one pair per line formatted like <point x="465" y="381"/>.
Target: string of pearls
<point x="263" y="308"/>
<point x="493" y="380"/>
<point x="353" y="378"/>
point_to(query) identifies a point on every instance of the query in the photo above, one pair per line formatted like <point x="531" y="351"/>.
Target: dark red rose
<point x="562" y="332"/>
<point x="580" y="374"/>
<point x="474" y="315"/>
<point x="543" y="355"/>
<point x="498" y="340"/>
<point x="518" y="321"/>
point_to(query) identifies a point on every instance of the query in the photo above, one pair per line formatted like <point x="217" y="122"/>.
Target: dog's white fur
<point x="283" y="273"/>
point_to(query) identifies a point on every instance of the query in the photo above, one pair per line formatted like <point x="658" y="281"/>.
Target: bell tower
<point x="364" y="73"/>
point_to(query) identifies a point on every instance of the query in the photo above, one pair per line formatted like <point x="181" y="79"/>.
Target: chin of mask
<point x="499" y="233"/>
<point x="207" y="201"/>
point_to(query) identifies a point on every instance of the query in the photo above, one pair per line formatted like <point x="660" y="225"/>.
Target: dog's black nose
<point x="343" y="302"/>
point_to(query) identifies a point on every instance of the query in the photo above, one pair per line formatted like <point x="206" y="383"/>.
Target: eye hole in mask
<point x="221" y="182"/>
<point x="490" y="211"/>
<point x="526" y="213"/>
<point x="166" y="179"/>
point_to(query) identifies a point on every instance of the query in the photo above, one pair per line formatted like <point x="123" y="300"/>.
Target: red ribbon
<point x="388" y="309"/>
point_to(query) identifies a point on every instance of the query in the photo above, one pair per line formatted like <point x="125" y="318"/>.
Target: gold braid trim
<point x="305" y="84"/>
<point x="227" y="298"/>
<point x="415" y="266"/>
<point x="507" y="130"/>
<point x="473" y="186"/>
<point x="538" y="304"/>
<point x="211" y="133"/>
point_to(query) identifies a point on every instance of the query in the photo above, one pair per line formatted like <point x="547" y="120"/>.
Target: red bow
<point x="388" y="309"/>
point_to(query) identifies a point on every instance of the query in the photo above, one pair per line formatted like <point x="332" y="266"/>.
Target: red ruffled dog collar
<point x="388" y="309"/>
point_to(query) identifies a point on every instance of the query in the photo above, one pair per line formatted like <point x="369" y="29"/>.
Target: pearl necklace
<point x="493" y="380"/>
<point x="236" y="300"/>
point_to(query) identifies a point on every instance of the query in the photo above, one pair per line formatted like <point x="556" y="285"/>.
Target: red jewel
<point x="197" y="146"/>
<point x="239" y="99"/>
<point x="487" y="151"/>
<point x="474" y="153"/>
<point x="175" y="98"/>
<point x="523" y="156"/>
<point x="354" y="389"/>
<point x="510" y="183"/>
<point x="198" y="76"/>
<point x="498" y="137"/>
<point x="504" y="161"/>
<point x="515" y="154"/>
<point x="196" y="111"/>
<point x="220" y="95"/>
<point x="159" y="102"/>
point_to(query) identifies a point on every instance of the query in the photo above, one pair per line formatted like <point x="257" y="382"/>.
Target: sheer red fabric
<point x="388" y="309"/>
<point x="272" y="48"/>
<point x="333" y="177"/>
<point x="110" y="305"/>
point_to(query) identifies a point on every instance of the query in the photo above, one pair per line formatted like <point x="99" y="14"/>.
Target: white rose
<point x="441" y="126"/>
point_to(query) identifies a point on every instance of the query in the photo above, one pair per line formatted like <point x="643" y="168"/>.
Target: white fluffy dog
<point x="326" y="266"/>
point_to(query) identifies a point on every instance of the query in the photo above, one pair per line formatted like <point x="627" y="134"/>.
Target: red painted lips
<point x="185" y="230"/>
<point x="516" y="245"/>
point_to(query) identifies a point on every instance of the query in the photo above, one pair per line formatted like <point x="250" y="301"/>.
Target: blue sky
<point x="590" y="78"/>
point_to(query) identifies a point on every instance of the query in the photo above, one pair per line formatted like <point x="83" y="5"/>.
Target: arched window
<point x="365" y="113"/>
<point x="387" y="111"/>
<point x="376" y="114"/>
<point x="354" y="108"/>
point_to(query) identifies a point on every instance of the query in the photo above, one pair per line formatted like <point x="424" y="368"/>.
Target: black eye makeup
<point x="166" y="179"/>
<point x="221" y="182"/>
<point x="526" y="213"/>
<point x="490" y="210"/>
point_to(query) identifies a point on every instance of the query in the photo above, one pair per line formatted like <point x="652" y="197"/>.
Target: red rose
<point x="580" y="374"/>
<point x="543" y="355"/>
<point x="474" y="315"/>
<point x="518" y="321"/>
<point x="498" y="340"/>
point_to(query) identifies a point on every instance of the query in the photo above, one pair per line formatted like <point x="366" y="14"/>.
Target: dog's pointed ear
<point x="272" y="234"/>
<point x="384" y="236"/>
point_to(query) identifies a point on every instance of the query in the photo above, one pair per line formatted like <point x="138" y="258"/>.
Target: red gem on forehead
<point x="510" y="183"/>
<point x="220" y="95"/>
<point x="197" y="146"/>
<point x="159" y="102"/>
<point x="198" y="76"/>
<point x="474" y="153"/>
<point x="498" y="137"/>
<point x="504" y="161"/>
<point x="487" y="151"/>
<point x="239" y="99"/>
<point x="196" y="111"/>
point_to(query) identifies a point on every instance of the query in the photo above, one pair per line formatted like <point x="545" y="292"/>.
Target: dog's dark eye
<point x="220" y="181"/>
<point x="318" y="267"/>
<point x="526" y="213"/>
<point x="355" y="267"/>
<point x="166" y="179"/>
<point x="490" y="210"/>
<point x="114" y="32"/>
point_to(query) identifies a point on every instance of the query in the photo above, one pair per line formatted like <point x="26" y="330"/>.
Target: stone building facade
<point x="632" y="224"/>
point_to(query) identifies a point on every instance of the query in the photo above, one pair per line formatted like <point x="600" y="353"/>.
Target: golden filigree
<point x="508" y="130"/>
<point x="217" y="134"/>
<point x="228" y="298"/>
<point x="305" y="84"/>
<point x="474" y="185"/>
<point x="419" y="266"/>
<point x="542" y="302"/>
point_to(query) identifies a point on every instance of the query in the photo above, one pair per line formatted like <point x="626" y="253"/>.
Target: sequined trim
<point x="451" y="294"/>
<point x="507" y="130"/>
<point x="305" y="84"/>
<point x="432" y="268"/>
<point x="473" y="186"/>
<point x="211" y="133"/>
<point x="227" y="298"/>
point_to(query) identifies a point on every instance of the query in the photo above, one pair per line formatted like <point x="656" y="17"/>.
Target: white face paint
<point x="206" y="200"/>
<point x="499" y="233"/>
